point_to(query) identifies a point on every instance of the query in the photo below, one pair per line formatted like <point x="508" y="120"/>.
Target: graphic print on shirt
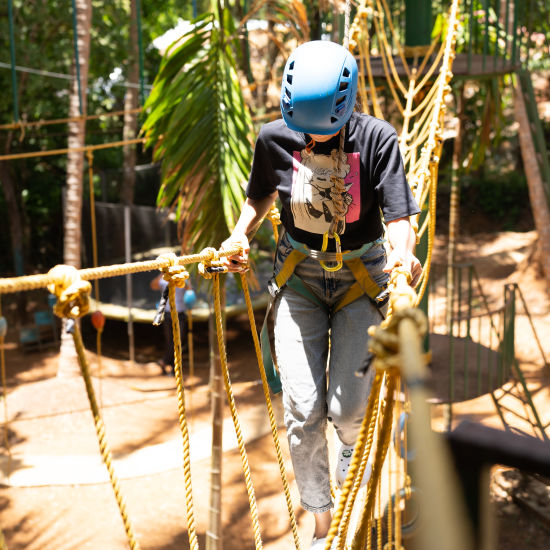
<point x="312" y="181"/>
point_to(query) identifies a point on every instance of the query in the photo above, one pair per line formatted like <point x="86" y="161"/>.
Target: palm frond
<point x="201" y="130"/>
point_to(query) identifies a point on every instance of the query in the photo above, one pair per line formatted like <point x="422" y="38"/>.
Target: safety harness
<point x="286" y="276"/>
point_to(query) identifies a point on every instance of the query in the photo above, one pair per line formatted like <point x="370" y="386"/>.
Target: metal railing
<point x="472" y="339"/>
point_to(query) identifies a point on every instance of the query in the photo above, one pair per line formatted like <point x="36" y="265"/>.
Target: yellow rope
<point x="387" y="53"/>
<point x="275" y="219"/>
<point x="234" y="416"/>
<point x="73" y="303"/>
<point x="176" y="276"/>
<point x="400" y="49"/>
<point x="22" y="124"/>
<point x="363" y="444"/>
<point x="191" y="527"/>
<point x="32" y="282"/>
<point x="3" y="545"/>
<point x="271" y="414"/>
<point x="100" y="431"/>
<point x="51" y="152"/>
<point x="384" y="437"/>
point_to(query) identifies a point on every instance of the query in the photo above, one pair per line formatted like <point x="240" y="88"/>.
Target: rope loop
<point x="211" y="265"/>
<point x="72" y="292"/>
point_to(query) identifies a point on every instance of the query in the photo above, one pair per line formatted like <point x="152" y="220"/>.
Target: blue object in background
<point x="189" y="299"/>
<point x="3" y="327"/>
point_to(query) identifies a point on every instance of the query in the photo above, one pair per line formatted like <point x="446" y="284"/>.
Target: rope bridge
<point x="420" y="102"/>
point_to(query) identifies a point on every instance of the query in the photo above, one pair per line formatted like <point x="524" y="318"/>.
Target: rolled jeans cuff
<point x="316" y="509"/>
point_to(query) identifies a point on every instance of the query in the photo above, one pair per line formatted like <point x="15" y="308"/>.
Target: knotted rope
<point x="271" y="414"/>
<point x="72" y="303"/>
<point x="274" y="217"/>
<point x="211" y="264"/>
<point x="233" y="409"/>
<point x="176" y="276"/>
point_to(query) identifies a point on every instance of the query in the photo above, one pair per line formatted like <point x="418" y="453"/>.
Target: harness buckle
<point x="381" y="299"/>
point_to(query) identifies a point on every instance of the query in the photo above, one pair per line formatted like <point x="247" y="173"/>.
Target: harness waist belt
<point x="330" y="256"/>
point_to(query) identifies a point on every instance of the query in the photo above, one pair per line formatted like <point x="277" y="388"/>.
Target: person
<point x="331" y="244"/>
<point x="184" y="300"/>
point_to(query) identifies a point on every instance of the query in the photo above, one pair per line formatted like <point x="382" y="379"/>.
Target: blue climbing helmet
<point x="319" y="88"/>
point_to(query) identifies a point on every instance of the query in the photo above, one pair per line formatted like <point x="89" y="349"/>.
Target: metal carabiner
<point x="339" y="261"/>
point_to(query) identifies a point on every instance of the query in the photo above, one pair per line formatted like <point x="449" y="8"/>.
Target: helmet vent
<point x="288" y="94"/>
<point x="333" y="119"/>
<point x="289" y="113"/>
<point x="340" y="100"/>
<point x="291" y="66"/>
<point x="346" y="72"/>
<point x="289" y="78"/>
<point x="343" y="86"/>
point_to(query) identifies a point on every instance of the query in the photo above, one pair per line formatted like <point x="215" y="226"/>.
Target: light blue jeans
<point x="317" y="388"/>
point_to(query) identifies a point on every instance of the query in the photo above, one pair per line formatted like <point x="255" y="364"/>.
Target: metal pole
<point x="486" y="33"/>
<point x="12" y="54"/>
<point x="128" y="259"/>
<point x="140" y="48"/>
<point x="77" y="57"/>
<point x="470" y="33"/>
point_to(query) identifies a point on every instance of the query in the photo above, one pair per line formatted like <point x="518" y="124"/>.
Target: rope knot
<point x="176" y="274"/>
<point x="212" y="264"/>
<point x="384" y="340"/>
<point x="173" y="273"/>
<point x="274" y="215"/>
<point x="72" y="292"/>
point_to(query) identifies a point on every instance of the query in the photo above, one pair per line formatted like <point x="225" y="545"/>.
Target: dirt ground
<point x="50" y="424"/>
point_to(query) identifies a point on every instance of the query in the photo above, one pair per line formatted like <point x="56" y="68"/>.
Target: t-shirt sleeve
<point x="262" y="181"/>
<point x="394" y="194"/>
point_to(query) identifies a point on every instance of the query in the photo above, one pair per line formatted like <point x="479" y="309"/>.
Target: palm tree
<point x="201" y="130"/>
<point x="68" y="364"/>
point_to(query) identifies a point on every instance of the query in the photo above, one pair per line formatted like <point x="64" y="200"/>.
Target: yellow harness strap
<point x="288" y="267"/>
<point x="364" y="283"/>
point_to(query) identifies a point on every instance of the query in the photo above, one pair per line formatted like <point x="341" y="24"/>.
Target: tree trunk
<point x="214" y="539"/>
<point x="537" y="196"/>
<point x="68" y="364"/>
<point x="130" y="119"/>
<point x="14" y="210"/>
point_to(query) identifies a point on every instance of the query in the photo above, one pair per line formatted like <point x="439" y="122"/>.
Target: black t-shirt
<point x="373" y="174"/>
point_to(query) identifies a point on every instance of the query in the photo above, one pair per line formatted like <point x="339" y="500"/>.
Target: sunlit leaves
<point x="200" y="128"/>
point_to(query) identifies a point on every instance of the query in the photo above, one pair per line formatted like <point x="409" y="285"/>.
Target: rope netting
<point x="420" y="101"/>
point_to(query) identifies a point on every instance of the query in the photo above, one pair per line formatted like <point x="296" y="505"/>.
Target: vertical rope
<point x="106" y="454"/>
<point x="77" y="57"/>
<point x="381" y="449"/>
<point x="12" y="62"/>
<point x="271" y="414"/>
<point x="363" y="444"/>
<point x="234" y="416"/>
<point x="191" y="526"/>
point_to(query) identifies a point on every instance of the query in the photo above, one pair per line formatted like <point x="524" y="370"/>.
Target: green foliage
<point x="200" y="128"/>
<point x="44" y="41"/>
<point x="502" y="197"/>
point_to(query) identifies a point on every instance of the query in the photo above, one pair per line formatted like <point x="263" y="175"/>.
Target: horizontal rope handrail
<point x="52" y="152"/>
<point x="47" y="122"/>
<point x="32" y="282"/>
